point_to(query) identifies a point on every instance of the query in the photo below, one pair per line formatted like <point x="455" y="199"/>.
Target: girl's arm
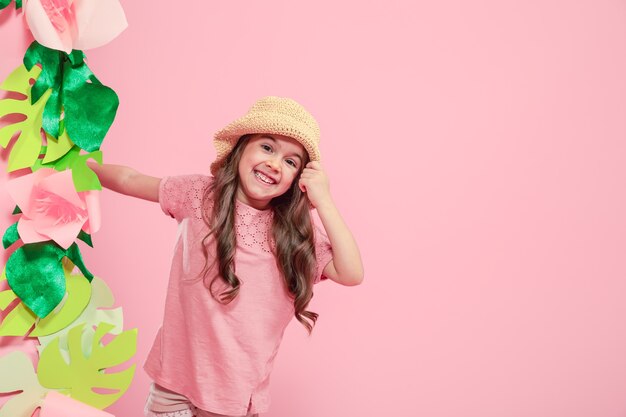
<point x="346" y="267"/>
<point x="125" y="180"/>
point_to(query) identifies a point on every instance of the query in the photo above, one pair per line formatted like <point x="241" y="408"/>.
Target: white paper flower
<point x="74" y="24"/>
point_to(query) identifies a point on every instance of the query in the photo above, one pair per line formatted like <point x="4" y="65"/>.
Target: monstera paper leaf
<point x="22" y="378"/>
<point x="57" y="147"/>
<point x="82" y="376"/>
<point x="20" y="320"/>
<point x="97" y="311"/>
<point x="28" y="145"/>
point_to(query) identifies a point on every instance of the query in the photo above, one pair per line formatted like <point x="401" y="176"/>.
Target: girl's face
<point x="268" y="166"/>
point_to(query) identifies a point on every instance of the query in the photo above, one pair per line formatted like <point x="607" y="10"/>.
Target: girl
<point x="249" y="250"/>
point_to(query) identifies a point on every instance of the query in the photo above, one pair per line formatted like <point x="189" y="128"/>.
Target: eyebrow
<point x="275" y="141"/>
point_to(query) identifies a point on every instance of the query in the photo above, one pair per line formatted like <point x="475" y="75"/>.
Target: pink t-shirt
<point x="220" y="356"/>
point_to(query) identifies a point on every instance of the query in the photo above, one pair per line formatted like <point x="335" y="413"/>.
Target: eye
<point x="292" y="163"/>
<point x="266" y="147"/>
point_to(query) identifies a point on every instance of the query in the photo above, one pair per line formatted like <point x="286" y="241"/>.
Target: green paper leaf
<point x="73" y="252"/>
<point x="63" y="163"/>
<point x="89" y="113"/>
<point x="11" y="236"/>
<point x="82" y="375"/>
<point x="57" y="148"/>
<point x="84" y="178"/>
<point x="51" y="70"/>
<point x="51" y="119"/>
<point x="35" y="273"/>
<point x="78" y="296"/>
<point x="85" y="237"/>
<point x="78" y="101"/>
<point x="28" y="145"/>
<point x="17" y="210"/>
<point x="77" y="59"/>
<point x="18" y="4"/>
<point x="4" y="3"/>
<point x="18" y="321"/>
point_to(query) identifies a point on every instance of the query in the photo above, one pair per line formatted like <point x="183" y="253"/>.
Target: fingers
<point x="314" y="165"/>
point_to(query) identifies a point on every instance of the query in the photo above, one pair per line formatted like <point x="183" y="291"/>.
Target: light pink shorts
<point x="165" y="403"/>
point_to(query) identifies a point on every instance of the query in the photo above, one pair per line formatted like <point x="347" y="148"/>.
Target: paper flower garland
<point x="65" y="114"/>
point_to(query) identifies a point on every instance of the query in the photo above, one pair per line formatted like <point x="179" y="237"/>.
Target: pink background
<point x="476" y="149"/>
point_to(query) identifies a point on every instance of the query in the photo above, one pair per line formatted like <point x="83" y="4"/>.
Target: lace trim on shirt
<point x="254" y="228"/>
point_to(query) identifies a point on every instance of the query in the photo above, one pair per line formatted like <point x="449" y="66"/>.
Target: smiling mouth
<point x="264" y="178"/>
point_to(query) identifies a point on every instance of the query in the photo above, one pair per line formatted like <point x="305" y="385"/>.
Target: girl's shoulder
<point x="187" y="181"/>
<point x="182" y="195"/>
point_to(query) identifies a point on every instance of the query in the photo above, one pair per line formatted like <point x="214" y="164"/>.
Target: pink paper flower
<point x="74" y="24"/>
<point x="52" y="209"/>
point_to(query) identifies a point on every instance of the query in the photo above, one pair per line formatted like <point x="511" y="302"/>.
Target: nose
<point x="273" y="164"/>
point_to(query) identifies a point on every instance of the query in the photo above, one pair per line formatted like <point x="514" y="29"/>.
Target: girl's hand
<point x="314" y="182"/>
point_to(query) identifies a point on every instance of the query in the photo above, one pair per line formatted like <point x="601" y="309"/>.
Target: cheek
<point x="292" y="177"/>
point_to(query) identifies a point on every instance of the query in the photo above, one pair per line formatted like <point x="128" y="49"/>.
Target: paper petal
<point x="41" y="27"/>
<point x="20" y="188"/>
<point x="59" y="405"/>
<point x="61" y="184"/>
<point x="99" y="22"/>
<point x="92" y="198"/>
<point x="63" y="233"/>
<point x="28" y="233"/>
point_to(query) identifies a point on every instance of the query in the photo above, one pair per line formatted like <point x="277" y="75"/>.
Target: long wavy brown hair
<point x="292" y="233"/>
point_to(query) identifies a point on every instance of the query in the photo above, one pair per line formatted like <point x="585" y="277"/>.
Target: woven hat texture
<point x="273" y="115"/>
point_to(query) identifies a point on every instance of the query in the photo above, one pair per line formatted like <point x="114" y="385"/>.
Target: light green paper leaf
<point x="61" y="164"/>
<point x="81" y="375"/>
<point x="21" y="318"/>
<point x="23" y="379"/>
<point x="95" y="313"/>
<point x="84" y="178"/>
<point x="28" y="145"/>
<point x="5" y="296"/>
<point x="18" y="321"/>
<point x="57" y="147"/>
<point x="77" y="299"/>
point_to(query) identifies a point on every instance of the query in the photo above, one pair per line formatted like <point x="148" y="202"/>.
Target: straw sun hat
<point x="273" y="115"/>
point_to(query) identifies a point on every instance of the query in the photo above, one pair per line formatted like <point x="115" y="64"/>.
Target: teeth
<point x="263" y="178"/>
